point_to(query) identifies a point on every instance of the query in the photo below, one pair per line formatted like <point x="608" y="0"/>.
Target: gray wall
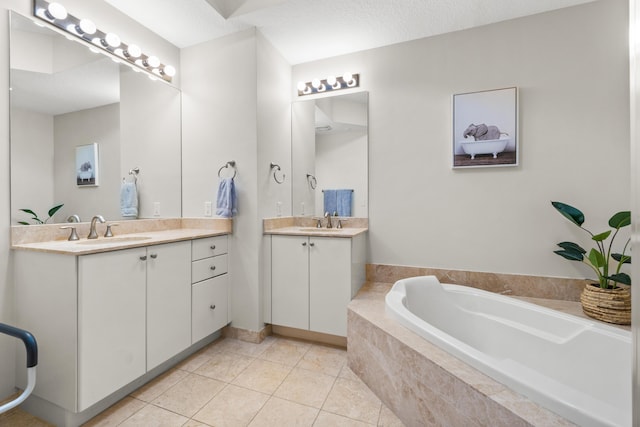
<point x="572" y="70"/>
<point x="236" y="107"/>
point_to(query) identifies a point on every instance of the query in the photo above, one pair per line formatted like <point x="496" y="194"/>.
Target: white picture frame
<point x="87" y="166"/>
<point x="485" y="128"/>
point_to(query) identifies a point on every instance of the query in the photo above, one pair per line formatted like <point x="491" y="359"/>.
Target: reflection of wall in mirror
<point x="303" y="139"/>
<point x="75" y="129"/>
<point x="49" y="72"/>
<point x="31" y="163"/>
<point x="341" y="154"/>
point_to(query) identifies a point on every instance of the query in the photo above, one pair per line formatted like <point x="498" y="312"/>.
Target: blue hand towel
<point x="344" y="199"/>
<point x="330" y="201"/>
<point x="227" y="202"/>
<point x="129" y="200"/>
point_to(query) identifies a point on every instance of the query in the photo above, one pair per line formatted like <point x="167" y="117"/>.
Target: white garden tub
<point x="577" y="368"/>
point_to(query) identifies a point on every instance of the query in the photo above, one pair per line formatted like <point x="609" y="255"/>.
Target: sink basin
<point x="319" y="230"/>
<point x="105" y="240"/>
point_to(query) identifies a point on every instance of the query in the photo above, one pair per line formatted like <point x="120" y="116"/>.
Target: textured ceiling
<point x="307" y="30"/>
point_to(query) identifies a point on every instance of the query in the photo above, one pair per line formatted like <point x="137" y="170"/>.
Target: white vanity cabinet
<point x="210" y="286"/>
<point x="134" y="311"/>
<point x="103" y="320"/>
<point x="313" y="279"/>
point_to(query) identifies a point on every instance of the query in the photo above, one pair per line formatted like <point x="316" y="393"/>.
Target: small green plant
<point x="35" y="217"/>
<point x="599" y="258"/>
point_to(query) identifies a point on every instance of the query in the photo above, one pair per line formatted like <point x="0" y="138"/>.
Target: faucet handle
<point x="108" y="233"/>
<point x="73" y="235"/>
<point x="340" y="221"/>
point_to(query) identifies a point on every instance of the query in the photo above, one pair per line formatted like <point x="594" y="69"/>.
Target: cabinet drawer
<point x="208" y="267"/>
<point x="209" y="307"/>
<point x="211" y="246"/>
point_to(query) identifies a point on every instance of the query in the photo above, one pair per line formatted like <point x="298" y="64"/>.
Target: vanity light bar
<point x="84" y="29"/>
<point x="331" y="83"/>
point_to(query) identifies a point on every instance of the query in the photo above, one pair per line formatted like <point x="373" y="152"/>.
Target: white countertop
<point x="85" y="246"/>
<point x="319" y="232"/>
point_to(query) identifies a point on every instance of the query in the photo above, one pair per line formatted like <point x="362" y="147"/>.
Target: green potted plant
<point x="36" y="219"/>
<point x="605" y="300"/>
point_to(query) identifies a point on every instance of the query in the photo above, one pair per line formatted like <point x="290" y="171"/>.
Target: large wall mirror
<point x="330" y="155"/>
<point x="65" y="100"/>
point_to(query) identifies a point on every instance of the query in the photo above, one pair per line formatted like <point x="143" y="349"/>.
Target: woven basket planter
<point x="608" y="305"/>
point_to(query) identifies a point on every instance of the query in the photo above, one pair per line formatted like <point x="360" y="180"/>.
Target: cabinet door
<point x="329" y="284"/>
<point x="111" y="322"/>
<point x="210" y="302"/>
<point x="290" y="281"/>
<point x="168" y="301"/>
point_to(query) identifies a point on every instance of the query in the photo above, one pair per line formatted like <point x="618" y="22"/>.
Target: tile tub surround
<point x="556" y="288"/>
<point x="423" y="384"/>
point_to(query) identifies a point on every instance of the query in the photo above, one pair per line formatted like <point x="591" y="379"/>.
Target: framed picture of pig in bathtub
<point x="485" y="129"/>
<point x="87" y="165"/>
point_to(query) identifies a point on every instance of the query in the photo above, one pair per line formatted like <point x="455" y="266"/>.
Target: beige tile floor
<point x="279" y="382"/>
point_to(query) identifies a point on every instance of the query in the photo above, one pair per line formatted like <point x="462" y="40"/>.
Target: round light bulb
<point x="169" y="70"/>
<point x="302" y="86"/>
<point x="347" y="77"/>
<point x="112" y="40"/>
<point x="56" y="11"/>
<point x="86" y="26"/>
<point x="153" y="61"/>
<point x="315" y="83"/>
<point x="133" y="51"/>
<point x="331" y="80"/>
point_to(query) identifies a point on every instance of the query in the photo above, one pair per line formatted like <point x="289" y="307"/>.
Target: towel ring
<point x="277" y="168"/>
<point x="134" y="173"/>
<point x="313" y="182"/>
<point x="231" y="163"/>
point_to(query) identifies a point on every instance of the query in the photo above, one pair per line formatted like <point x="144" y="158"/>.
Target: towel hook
<point x="277" y="168"/>
<point x="313" y="182"/>
<point x="231" y="163"/>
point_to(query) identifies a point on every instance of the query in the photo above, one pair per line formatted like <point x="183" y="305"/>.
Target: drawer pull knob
<point x="212" y="306"/>
<point x="154" y="256"/>
<point x="304" y="244"/>
<point x="213" y="246"/>
<point x="312" y="244"/>
<point x="213" y="267"/>
<point x="143" y="258"/>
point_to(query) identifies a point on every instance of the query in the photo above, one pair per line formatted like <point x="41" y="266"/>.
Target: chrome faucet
<point x="327" y="215"/>
<point x="73" y="218"/>
<point x="92" y="230"/>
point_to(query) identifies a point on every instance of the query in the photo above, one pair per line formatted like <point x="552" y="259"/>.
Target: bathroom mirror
<point x="329" y="138"/>
<point x="64" y="96"/>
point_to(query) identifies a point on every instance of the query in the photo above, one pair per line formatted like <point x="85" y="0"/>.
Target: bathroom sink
<point x="319" y="230"/>
<point x="105" y="240"/>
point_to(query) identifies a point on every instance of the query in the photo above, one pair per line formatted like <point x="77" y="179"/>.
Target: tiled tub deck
<point x="424" y="385"/>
